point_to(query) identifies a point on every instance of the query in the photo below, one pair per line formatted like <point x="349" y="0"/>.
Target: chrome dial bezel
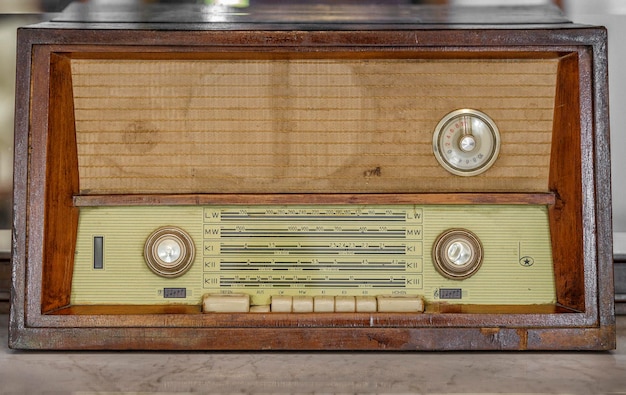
<point x="176" y="267"/>
<point x="486" y="152"/>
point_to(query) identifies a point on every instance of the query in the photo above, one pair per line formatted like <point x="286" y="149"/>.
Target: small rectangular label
<point x="450" y="293"/>
<point x="98" y="252"/>
<point x="174" y="293"/>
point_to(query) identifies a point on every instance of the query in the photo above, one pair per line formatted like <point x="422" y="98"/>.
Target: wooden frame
<point x="47" y="201"/>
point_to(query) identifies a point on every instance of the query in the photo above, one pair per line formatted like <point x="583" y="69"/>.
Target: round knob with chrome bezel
<point x="169" y="251"/>
<point x="457" y="254"/>
<point x="466" y="142"/>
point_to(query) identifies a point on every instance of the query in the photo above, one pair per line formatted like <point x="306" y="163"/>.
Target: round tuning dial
<point x="466" y="142"/>
<point x="457" y="254"/>
<point x="169" y="251"/>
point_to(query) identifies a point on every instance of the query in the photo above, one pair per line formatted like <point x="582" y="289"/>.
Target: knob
<point x="466" y="142"/>
<point x="457" y="254"/>
<point x="169" y="251"/>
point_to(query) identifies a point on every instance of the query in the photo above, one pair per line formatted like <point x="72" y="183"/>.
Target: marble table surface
<point x="313" y="372"/>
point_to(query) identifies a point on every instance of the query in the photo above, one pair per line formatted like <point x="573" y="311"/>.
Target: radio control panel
<point x="461" y="254"/>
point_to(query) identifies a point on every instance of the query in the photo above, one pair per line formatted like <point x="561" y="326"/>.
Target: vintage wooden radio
<point x="312" y="177"/>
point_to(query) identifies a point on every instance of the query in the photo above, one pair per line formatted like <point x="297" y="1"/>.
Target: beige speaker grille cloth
<point x="303" y="125"/>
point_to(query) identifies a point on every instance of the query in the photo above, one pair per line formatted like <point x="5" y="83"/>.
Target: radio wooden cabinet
<point x="338" y="177"/>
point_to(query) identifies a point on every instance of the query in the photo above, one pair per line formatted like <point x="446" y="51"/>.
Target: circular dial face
<point x="169" y="251"/>
<point x="466" y="142"/>
<point x="457" y="254"/>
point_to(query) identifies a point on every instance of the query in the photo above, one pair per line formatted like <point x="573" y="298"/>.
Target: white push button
<point x="324" y="304"/>
<point x="302" y="304"/>
<point x="226" y="303"/>
<point x="345" y="304"/>
<point x="281" y="304"/>
<point x="408" y="304"/>
<point x="366" y="304"/>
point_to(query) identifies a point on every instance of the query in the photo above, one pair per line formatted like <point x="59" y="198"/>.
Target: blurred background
<point x="610" y="13"/>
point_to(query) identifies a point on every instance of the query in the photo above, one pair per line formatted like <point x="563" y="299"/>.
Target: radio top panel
<point x="306" y="15"/>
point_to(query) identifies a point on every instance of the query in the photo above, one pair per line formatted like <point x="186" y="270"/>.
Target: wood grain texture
<point x="566" y="180"/>
<point x="295" y="198"/>
<point x="61" y="183"/>
<point x="269" y="339"/>
<point x="435" y="314"/>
